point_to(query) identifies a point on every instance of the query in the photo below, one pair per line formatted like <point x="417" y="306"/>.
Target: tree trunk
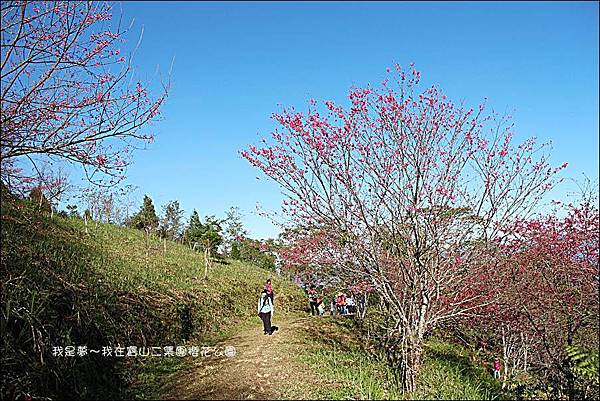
<point x="206" y="262"/>
<point x="362" y="306"/>
<point x="505" y="356"/>
<point x="568" y="364"/>
<point x="405" y="359"/>
<point x="147" y="243"/>
<point x="525" y="350"/>
<point x="411" y="366"/>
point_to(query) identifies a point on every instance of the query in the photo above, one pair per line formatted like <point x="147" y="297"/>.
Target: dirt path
<point x="261" y="368"/>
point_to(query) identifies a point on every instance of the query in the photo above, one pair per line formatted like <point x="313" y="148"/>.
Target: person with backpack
<point x="265" y="311"/>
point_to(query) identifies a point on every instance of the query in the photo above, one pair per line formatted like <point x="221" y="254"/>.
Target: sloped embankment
<point x="61" y="286"/>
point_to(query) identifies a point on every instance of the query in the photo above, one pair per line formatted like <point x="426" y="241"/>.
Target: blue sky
<point x="236" y="62"/>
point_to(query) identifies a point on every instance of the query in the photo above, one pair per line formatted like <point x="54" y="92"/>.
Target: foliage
<point x="207" y="236"/>
<point x="548" y="292"/>
<point x="235" y="253"/>
<point x="233" y="231"/>
<point x="255" y="252"/>
<point x="202" y="237"/>
<point x="171" y="224"/>
<point x="68" y="93"/>
<point x="210" y="236"/>
<point x="194" y="228"/>
<point x="146" y="218"/>
<point x="584" y="364"/>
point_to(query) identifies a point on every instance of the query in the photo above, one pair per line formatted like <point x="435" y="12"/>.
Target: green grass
<point x="449" y="372"/>
<point x="332" y="350"/>
<point x="347" y="371"/>
<point x="61" y="286"/>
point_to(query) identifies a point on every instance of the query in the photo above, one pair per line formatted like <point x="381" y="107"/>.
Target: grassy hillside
<point x="61" y="286"/>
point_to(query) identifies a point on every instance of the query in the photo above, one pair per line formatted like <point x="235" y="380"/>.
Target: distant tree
<point x="210" y="240"/>
<point x="171" y="224"/>
<point x="256" y="252"/>
<point x="193" y="230"/>
<point x="204" y="237"/>
<point x="92" y="199"/>
<point x="87" y="216"/>
<point x="107" y="207"/>
<point x="235" y="251"/>
<point x="53" y="183"/>
<point x="146" y="218"/>
<point x="211" y="234"/>
<point x="110" y="205"/>
<point x="233" y="231"/>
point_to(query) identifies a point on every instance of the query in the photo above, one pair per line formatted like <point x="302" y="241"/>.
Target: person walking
<point x="312" y="300"/>
<point x="350" y="307"/>
<point x="265" y="311"/>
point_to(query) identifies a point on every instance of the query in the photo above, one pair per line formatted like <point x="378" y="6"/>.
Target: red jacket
<point x="341" y="300"/>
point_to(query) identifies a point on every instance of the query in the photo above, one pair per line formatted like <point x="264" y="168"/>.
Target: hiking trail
<point x="262" y="367"/>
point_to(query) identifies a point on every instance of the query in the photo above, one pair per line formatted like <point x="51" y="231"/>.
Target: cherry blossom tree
<point x="551" y="293"/>
<point x="68" y="93"/>
<point x="414" y="186"/>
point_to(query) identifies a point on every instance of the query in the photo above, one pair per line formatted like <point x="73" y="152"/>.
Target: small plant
<point x="584" y="365"/>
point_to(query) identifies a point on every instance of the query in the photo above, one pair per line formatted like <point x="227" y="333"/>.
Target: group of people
<point x="341" y="304"/>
